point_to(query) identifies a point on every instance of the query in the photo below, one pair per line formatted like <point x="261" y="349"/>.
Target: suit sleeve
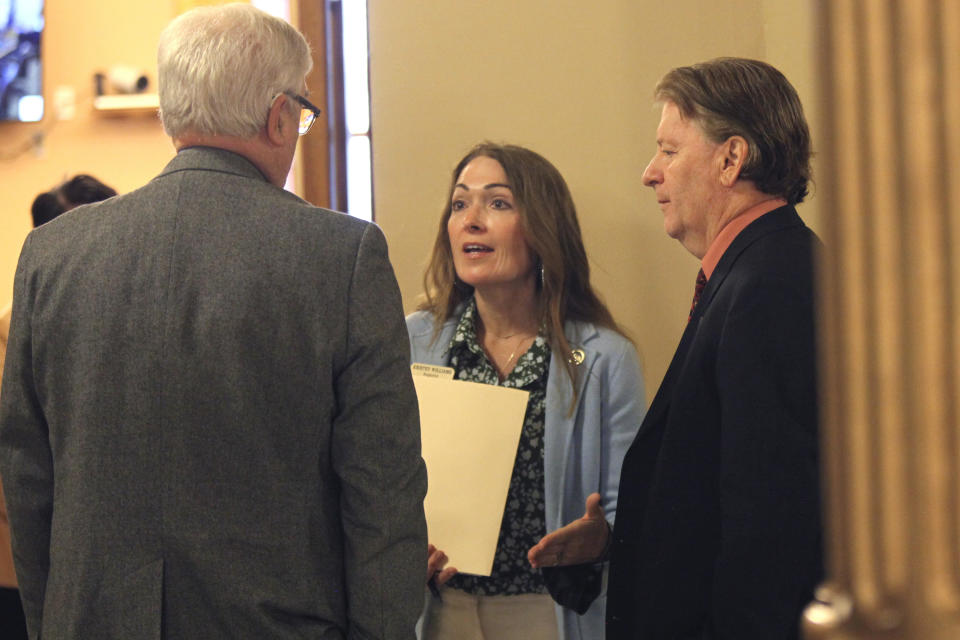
<point x="376" y="455"/>
<point x="26" y="462"/>
<point x="623" y="411"/>
<point x="769" y="557"/>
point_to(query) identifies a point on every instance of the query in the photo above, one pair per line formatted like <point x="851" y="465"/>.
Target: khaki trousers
<point x="462" y="616"/>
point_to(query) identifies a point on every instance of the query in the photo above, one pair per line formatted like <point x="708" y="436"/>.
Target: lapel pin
<point x="577" y="356"/>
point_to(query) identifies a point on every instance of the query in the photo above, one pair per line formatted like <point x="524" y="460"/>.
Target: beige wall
<point x="572" y="80"/>
<point x="80" y="39"/>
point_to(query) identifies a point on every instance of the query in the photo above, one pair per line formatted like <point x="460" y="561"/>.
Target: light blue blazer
<point x="583" y="450"/>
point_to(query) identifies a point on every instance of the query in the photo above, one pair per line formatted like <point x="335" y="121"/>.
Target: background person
<point x="718" y="531"/>
<point x="208" y="427"/>
<point x="80" y="189"/>
<point x="509" y="302"/>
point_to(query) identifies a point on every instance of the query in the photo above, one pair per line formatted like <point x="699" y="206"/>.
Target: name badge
<point x="431" y="371"/>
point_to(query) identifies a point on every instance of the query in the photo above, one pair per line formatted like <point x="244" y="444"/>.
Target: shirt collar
<point x="530" y="366"/>
<point x="727" y="235"/>
<point x="465" y="333"/>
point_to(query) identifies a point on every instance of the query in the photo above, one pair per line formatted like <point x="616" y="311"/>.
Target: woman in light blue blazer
<point x="508" y="301"/>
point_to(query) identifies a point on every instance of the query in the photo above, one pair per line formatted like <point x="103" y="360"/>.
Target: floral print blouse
<point x="523" y="521"/>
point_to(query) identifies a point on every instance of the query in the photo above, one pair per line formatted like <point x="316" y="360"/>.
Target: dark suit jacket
<point x="718" y="523"/>
<point x="208" y="427"/>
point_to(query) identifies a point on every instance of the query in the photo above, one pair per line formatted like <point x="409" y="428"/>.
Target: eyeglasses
<point x="308" y="112"/>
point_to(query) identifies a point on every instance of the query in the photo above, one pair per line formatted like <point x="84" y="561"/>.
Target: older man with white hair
<point x="208" y="427"/>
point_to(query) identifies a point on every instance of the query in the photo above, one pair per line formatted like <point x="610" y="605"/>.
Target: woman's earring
<point x="541" y="275"/>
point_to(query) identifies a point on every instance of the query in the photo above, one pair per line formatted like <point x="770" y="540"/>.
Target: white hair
<point x="220" y="67"/>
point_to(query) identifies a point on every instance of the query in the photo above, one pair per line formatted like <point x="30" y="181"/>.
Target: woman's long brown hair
<point x="549" y="222"/>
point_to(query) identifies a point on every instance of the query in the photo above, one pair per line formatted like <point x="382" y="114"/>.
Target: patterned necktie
<point x="697" y="290"/>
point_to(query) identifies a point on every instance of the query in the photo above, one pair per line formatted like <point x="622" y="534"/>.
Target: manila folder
<point x="470" y="432"/>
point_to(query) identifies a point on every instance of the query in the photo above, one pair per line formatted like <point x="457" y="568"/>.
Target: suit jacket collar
<point x="776" y="220"/>
<point x="213" y="159"/>
<point x="579" y="335"/>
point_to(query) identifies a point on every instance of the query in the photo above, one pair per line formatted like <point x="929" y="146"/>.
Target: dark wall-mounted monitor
<point x="21" y="73"/>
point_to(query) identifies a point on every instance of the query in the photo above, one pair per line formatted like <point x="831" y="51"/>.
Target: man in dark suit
<point x="718" y="520"/>
<point x="208" y="427"/>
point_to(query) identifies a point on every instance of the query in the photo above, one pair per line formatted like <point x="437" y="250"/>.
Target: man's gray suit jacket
<point x="208" y="427"/>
